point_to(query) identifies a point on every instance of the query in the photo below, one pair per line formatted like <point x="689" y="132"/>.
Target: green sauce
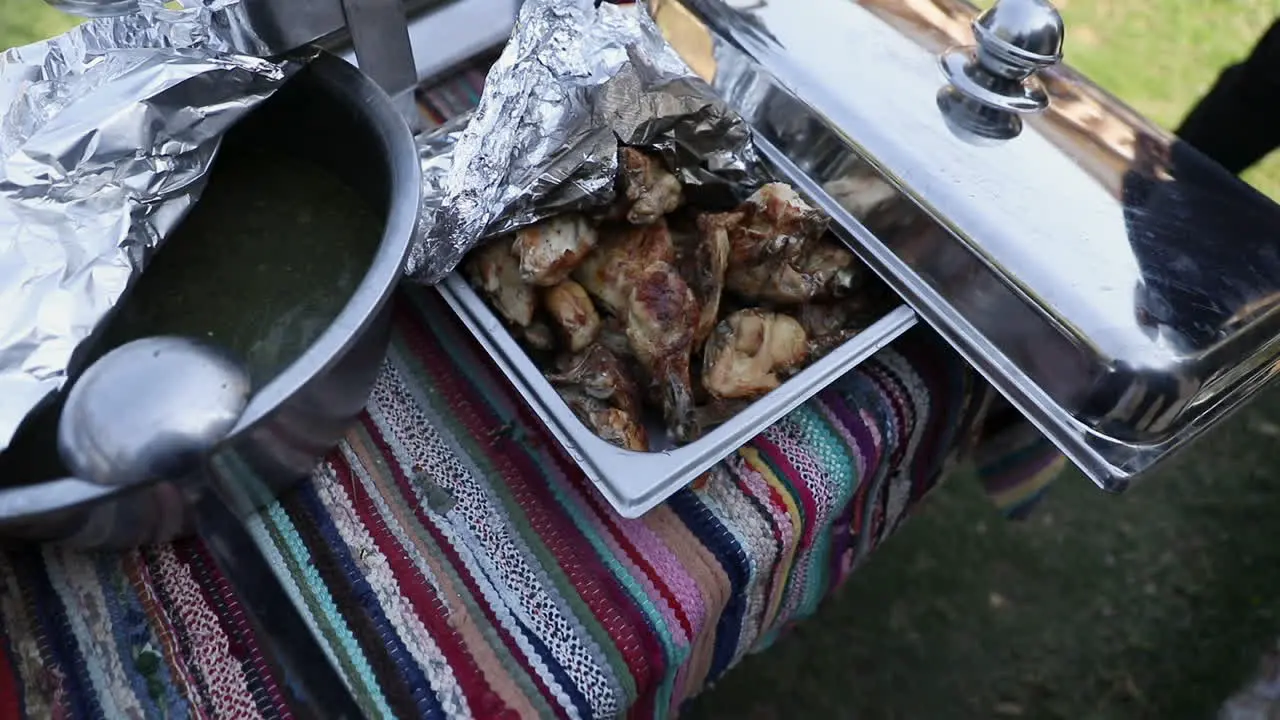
<point x="261" y="266"/>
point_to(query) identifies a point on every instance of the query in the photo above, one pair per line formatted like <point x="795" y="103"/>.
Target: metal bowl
<point x="334" y="115"/>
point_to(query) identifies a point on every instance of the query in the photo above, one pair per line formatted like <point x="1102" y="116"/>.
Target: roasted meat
<point x="825" y="318"/>
<point x="613" y="335"/>
<point x="772" y="281"/>
<point x="821" y="269"/>
<point x="832" y="266"/>
<point x="747" y="352"/>
<point x="605" y="397"/>
<point x="653" y="306"/>
<point x="551" y="249"/>
<point x="775" y="223"/>
<point x="573" y="313"/>
<point x="776" y="249"/>
<point x="705" y="271"/>
<point x="624" y="250"/>
<point x="495" y="272"/>
<point x="661" y="316"/>
<point x="600" y="374"/>
<point x="608" y="423"/>
<point x="650" y="191"/>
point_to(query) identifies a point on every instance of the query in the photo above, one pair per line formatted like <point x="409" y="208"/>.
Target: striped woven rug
<point x="454" y="563"/>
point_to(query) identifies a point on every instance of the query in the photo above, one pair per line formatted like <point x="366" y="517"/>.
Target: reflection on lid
<point x="1116" y="284"/>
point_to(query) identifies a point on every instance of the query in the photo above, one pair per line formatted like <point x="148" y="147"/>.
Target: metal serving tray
<point x="447" y="35"/>
<point x="634" y="482"/>
<point x="1122" y="290"/>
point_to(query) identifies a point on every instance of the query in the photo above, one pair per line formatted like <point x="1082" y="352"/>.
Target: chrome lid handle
<point x="1015" y="39"/>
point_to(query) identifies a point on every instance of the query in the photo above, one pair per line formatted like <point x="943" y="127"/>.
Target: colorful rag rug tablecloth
<point x="455" y="563"/>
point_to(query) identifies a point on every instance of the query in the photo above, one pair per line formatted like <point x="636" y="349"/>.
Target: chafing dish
<point x="1069" y="249"/>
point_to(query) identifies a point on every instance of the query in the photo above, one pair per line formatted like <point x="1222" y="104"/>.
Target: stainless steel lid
<point x="1117" y="286"/>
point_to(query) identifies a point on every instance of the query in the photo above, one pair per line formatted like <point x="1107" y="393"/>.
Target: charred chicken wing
<point x="608" y="423"/>
<point x="602" y="395"/>
<point x="775" y="222"/>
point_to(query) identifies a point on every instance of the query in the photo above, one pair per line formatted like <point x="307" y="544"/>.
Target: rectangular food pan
<point x="634" y="482"/>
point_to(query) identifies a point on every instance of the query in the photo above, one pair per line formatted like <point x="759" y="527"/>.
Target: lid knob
<point x="1017" y="37"/>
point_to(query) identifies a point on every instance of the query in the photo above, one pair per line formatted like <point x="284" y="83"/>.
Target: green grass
<point x="24" y="21"/>
<point x="1154" y="604"/>
<point x="1160" y="55"/>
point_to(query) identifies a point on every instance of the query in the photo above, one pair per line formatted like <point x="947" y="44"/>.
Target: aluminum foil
<point x="106" y="135"/>
<point x="572" y="84"/>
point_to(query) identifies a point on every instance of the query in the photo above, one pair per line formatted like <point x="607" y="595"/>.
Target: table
<point x="456" y="564"/>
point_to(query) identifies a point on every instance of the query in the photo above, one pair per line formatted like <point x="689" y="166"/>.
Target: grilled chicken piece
<point x="773" y="281"/>
<point x="551" y="249"/>
<point x="573" y="313"/>
<point x="614" y="337"/>
<point x="600" y="374"/>
<point x="650" y="191"/>
<point x="608" y="423"/>
<point x="776" y="253"/>
<point x="820" y="319"/>
<point x="705" y="271"/>
<point x="830" y="325"/>
<point x="832" y="266"/>
<point x="823" y="269"/>
<point x="660" y="322"/>
<point x="607" y="272"/>
<point x="598" y="389"/>
<point x="775" y="222"/>
<point x="748" y="350"/>
<point x="495" y="272"/>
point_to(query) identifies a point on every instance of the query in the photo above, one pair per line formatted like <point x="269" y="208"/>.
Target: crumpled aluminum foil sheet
<point x="106" y="135"/>
<point x="572" y="84"/>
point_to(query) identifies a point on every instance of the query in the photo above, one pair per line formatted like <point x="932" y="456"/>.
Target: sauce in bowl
<point x="261" y="266"/>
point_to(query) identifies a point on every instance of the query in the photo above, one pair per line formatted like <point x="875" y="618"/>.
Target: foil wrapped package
<point x="106" y="136"/>
<point x="573" y="84"/>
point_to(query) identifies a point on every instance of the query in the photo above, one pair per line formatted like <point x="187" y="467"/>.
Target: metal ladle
<point x="154" y="410"/>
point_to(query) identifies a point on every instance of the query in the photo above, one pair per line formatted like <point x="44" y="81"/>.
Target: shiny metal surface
<point x="448" y="34"/>
<point x="152" y="408"/>
<point x="380" y="38"/>
<point x="332" y="114"/>
<point x="1014" y="36"/>
<point x="1117" y="286"/>
<point x="1014" y="39"/>
<point x="95" y="8"/>
<point x="636" y="482"/>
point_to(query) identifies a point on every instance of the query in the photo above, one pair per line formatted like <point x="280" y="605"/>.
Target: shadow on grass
<point x="1154" y="604"/>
